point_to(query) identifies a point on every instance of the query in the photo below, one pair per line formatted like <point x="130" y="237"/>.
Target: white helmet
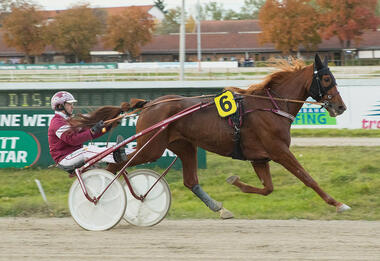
<point x="60" y="98"/>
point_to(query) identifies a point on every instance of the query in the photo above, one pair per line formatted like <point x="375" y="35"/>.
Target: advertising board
<point x="24" y="140"/>
<point x="363" y="111"/>
<point x="18" y="149"/>
<point x="364" y="108"/>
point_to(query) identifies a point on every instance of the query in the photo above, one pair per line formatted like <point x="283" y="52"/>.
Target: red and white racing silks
<point x="66" y="146"/>
<point x="82" y="154"/>
<point x="63" y="141"/>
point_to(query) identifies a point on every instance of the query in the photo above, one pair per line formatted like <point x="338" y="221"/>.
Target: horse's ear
<point x="318" y="63"/>
<point x="325" y="62"/>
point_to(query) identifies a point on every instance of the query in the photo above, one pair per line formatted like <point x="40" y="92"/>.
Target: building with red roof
<point x="220" y="40"/>
<point x="239" y="39"/>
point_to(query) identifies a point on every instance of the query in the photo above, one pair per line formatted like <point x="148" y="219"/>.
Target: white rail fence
<point x="162" y="74"/>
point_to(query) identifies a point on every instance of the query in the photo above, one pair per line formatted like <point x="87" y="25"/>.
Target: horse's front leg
<point x="286" y="158"/>
<point x="263" y="173"/>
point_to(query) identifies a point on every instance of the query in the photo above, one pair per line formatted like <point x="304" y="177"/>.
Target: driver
<point x="66" y="145"/>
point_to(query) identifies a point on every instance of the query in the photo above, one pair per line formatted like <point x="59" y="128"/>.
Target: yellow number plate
<point x="225" y="104"/>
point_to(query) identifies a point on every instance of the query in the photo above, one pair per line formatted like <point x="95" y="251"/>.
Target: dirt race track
<point x="61" y="239"/>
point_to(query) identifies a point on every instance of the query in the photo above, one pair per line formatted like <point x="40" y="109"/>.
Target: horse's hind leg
<point x="187" y="152"/>
<point x="263" y="173"/>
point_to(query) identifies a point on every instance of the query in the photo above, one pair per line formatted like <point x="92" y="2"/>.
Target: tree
<point x="74" y="31"/>
<point x="231" y="15"/>
<point x="160" y="5"/>
<point x="289" y="25"/>
<point x="190" y="25"/>
<point x="101" y="14"/>
<point x="250" y="9"/>
<point x="128" y="31"/>
<point x="347" y="19"/>
<point x="171" y="22"/>
<point x="212" y="11"/>
<point x="216" y="11"/>
<point x="24" y="30"/>
<point x="6" y="5"/>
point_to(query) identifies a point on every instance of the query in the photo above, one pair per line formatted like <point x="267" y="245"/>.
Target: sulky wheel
<point x="155" y="206"/>
<point x="106" y="213"/>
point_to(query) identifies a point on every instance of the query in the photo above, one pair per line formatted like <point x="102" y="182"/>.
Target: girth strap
<point x="236" y="121"/>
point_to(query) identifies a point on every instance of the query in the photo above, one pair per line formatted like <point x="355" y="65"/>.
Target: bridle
<point x="317" y="91"/>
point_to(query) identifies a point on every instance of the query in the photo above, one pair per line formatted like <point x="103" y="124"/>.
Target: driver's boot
<point x="119" y="154"/>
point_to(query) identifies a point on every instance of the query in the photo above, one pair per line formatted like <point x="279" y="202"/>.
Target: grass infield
<point x="349" y="174"/>
<point x="364" y="133"/>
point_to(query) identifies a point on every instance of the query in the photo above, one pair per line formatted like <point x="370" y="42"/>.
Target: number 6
<point x="225" y="104"/>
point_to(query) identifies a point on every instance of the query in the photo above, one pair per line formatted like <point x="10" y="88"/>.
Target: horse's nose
<point x="341" y="108"/>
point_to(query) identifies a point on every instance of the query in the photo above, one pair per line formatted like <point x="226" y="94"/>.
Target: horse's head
<point x="323" y="88"/>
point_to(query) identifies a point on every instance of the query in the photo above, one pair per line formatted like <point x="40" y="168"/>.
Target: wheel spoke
<point x="147" y="182"/>
<point x="135" y="188"/>
<point x="81" y="203"/>
<point x="151" y="209"/>
<point x="139" y="182"/>
<point x="90" y="192"/>
<point x="110" y="199"/>
<point x="103" y="185"/>
<point x="106" y="213"/>
<point x="158" y="195"/>
<point x="92" y="214"/>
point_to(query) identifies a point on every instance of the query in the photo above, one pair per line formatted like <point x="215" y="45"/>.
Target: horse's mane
<point x="285" y="69"/>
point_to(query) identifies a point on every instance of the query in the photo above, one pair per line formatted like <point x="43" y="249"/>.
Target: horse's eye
<point x="327" y="80"/>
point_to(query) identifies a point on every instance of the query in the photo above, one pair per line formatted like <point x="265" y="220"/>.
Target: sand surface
<point x="62" y="239"/>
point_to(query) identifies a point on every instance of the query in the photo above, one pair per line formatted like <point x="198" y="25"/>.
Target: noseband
<point x="317" y="91"/>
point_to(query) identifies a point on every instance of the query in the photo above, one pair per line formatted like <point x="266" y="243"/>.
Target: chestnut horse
<point x="264" y="133"/>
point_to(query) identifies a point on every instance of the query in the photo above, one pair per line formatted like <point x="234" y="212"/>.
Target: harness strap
<point x="276" y="110"/>
<point x="284" y="114"/>
<point x="271" y="99"/>
<point x="236" y="121"/>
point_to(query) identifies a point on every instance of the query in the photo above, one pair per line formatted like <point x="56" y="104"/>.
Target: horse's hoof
<point x="225" y="214"/>
<point x="342" y="207"/>
<point x="232" y="179"/>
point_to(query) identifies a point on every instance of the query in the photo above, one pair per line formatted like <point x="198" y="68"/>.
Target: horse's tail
<point x="104" y="113"/>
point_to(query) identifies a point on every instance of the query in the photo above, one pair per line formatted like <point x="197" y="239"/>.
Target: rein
<point x="121" y="116"/>
<point x="131" y="114"/>
<point x="269" y="97"/>
<point x="282" y="99"/>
